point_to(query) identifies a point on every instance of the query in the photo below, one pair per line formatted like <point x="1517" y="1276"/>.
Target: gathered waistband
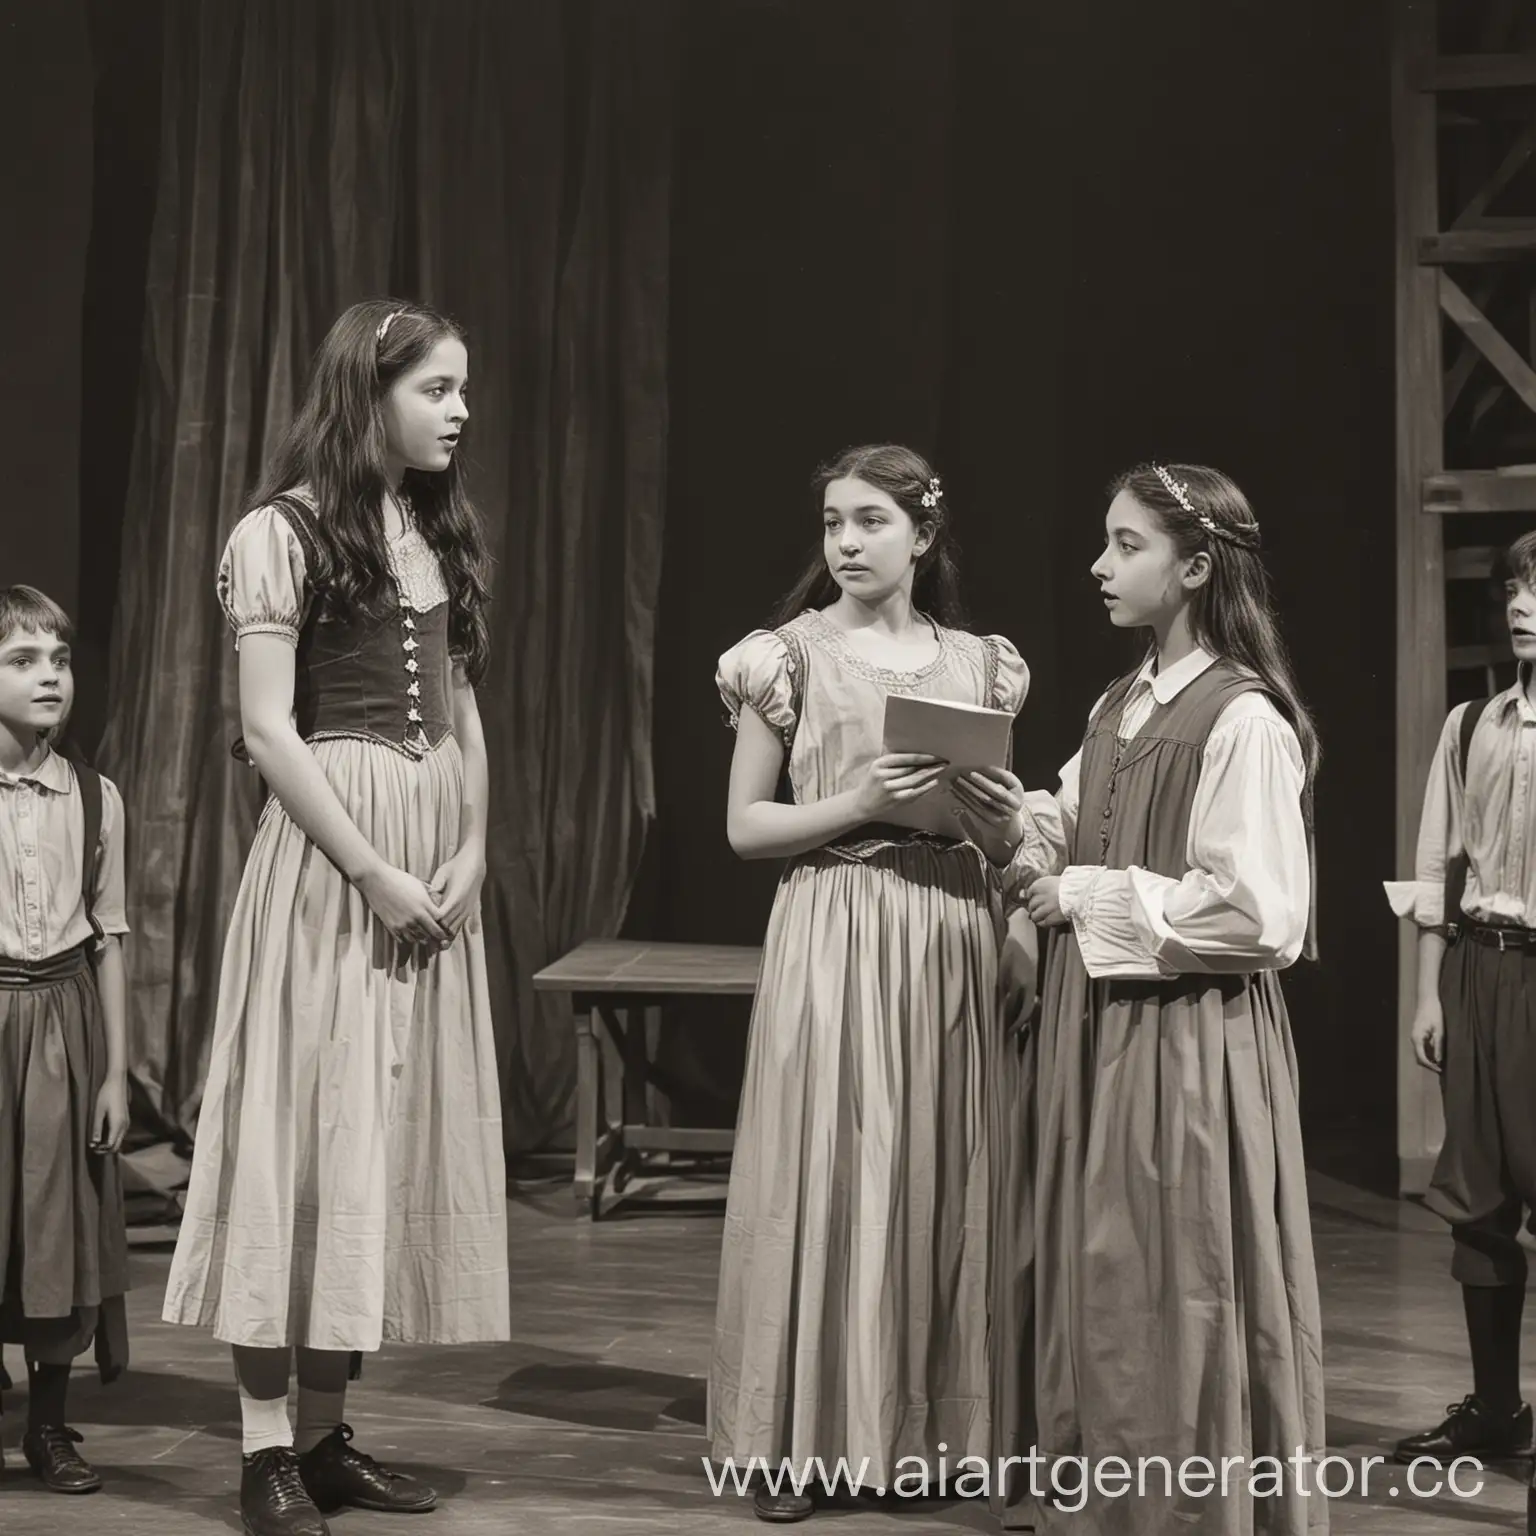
<point x="31" y="975"/>
<point x="887" y="832"/>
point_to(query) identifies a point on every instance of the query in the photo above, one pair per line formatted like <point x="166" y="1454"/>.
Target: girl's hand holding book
<point x="897" y="779"/>
<point x="991" y="810"/>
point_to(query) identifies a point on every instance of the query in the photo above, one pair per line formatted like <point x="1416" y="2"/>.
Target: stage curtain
<point x="511" y="164"/>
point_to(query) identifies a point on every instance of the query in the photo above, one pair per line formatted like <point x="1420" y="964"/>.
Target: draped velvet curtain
<point x="511" y="164"/>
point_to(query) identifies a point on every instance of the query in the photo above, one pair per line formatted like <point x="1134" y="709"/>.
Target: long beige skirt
<point x="852" y="1313"/>
<point x="348" y="1183"/>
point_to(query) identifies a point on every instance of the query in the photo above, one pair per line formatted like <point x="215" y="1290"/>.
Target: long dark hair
<point x="1233" y="614"/>
<point x="904" y="475"/>
<point x="335" y="446"/>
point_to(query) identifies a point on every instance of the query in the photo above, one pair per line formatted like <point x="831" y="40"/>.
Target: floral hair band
<point x="1245" y="536"/>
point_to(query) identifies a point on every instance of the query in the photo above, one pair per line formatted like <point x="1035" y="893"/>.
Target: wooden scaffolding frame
<point x="1445" y="340"/>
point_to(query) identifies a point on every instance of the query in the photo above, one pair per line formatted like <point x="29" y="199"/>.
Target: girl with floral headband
<point x="1163" y="1279"/>
<point x="348" y="1183"/>
<point x="852" y="1311"/>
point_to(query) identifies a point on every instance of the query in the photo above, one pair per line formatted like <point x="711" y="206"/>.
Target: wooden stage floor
<point x="591" y="1420"/>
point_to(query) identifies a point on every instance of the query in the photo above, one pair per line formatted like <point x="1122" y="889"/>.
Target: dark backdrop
<point x="1037" y="245"/>
<point x="1042" y="246"/>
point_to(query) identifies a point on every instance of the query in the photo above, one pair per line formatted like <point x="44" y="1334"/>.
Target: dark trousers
<point x="1485" y="1178"/>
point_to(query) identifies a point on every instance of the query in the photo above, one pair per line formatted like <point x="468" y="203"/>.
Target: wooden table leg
<point x="636" y="1065"/>
<point x="589" y="1092"/>
<point x="629" y="1050"/>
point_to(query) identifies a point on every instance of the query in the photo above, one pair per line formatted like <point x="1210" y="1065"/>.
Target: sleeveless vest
<point x="1136" y="796"/>
<point x="381" y="674"/>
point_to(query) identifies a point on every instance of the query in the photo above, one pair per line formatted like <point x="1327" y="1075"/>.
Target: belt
<point x="33" y="975"/>
<point x="1503" y="939"/>
<point x="888" y="832"/>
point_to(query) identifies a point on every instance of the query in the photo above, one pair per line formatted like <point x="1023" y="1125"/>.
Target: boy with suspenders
<point x="63" y="1098"/>
<point x="1474" y="902"/>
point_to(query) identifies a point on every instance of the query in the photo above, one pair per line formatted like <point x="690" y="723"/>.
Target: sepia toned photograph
<point x="768" y="762"/>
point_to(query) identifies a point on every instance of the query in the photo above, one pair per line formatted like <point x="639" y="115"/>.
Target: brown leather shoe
<point x="336" y="1476"/>
<point x="273" y="1500"/>
<point x="50" y="1452"/>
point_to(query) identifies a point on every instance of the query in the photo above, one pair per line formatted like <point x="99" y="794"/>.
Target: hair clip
<point x="389" y="320"/>
<point x="934" y="494"/>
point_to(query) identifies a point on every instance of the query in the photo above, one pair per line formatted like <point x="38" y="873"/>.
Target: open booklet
<point x="966" y="736"/>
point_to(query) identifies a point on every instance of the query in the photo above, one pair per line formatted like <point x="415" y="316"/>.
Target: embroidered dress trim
<point x="826" y="634"/>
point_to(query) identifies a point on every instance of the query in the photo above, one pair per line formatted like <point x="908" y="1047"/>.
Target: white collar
<point x="1169" y="684"/>
<point x="52" y="773"/>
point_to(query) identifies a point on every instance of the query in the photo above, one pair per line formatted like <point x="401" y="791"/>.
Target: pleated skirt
<point x="853" y="1302"/>
<point x="63" y="1244"/>
<point x="1155" y="1266"/>
<point x="348" y="1185"/>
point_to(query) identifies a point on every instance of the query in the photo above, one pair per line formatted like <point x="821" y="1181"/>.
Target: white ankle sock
<point x="263" y="1423"/>
<point x="319" y="1414"/>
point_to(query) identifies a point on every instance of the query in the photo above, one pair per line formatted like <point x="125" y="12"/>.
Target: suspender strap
<point x="1456" y="868"/>
<point x="90" y="798"/>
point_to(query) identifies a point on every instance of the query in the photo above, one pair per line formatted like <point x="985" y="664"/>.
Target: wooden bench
<point x="620" y="985"/>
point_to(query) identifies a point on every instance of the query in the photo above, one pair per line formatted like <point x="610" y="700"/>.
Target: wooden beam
<point x="1481" y="490"/>
<point x="1420" y="562"/>
<point x="1477" y="71"/>
<point x="1477" y="245"/>
<point x="1472" y="658"/>
<point x="1485" y="108"/>
<point x="1472" y="562"/>
<point x="1513" y="163"/>
<point x="1513" y="368"/>
<point x="678" y="1138"/>
<point x="1484" y="285"/>
<point x="1460" y="374"/>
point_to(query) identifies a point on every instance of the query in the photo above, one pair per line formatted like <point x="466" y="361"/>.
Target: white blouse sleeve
<point x="1243" y="905"/>
<point x="1050" y="823"/>
<point x="1440" y="832"/>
